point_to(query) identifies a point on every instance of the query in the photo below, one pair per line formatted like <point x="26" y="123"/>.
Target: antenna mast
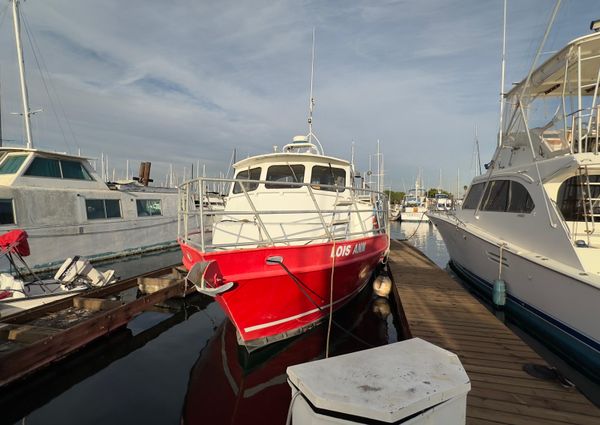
<point x="478" y="157"/>
<point x="503" y="66"/>
<point x="311" y="101"/>
<point x="26" y="111"/>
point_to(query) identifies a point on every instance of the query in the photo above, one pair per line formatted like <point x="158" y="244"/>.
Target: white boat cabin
<point x="300" y="196"/>
<point x="59" y="196"/>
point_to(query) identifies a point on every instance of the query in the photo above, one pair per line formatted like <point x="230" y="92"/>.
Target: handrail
<point x="303" y="239"/>
<point x="312" y="196"/>
<point x="256" y="216"/>
<point x="303" y="230"/>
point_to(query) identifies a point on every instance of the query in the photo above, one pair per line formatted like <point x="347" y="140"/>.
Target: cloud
<point x="184" y="81"/>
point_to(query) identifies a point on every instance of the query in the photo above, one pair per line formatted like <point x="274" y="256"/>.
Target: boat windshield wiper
<point x="293" y="174"/>
<point x="332" y="176"/>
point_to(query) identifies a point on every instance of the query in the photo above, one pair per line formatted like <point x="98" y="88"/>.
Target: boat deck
<point x="439" y="310"/>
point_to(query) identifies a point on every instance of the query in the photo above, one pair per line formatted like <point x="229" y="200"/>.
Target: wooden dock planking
<point x="440" y="310"/>
<point x="41" y="346"/>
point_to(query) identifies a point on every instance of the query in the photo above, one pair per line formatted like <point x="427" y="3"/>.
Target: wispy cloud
<point x="183" y="81"/>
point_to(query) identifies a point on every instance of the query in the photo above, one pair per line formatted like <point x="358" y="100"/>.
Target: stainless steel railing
<point x="326" y="205"/>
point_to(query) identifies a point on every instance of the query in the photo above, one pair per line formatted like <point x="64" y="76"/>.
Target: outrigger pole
<point x="503" y="69"/>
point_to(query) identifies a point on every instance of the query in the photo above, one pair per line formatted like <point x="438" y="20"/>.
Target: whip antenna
<point x="311" y="101"/>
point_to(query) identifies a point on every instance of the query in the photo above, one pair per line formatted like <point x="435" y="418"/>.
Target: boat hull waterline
<point x="271" y="301"/>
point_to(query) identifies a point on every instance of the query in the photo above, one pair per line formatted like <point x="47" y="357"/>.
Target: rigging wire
<point x="41" y="64"/>
<point x="303" y="288"/>
<point x="415" y="232"/>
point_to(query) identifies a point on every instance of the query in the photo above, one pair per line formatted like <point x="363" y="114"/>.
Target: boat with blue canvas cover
<point x="532" y="221"/>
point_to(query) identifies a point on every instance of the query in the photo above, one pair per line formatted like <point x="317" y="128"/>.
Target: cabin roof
<point x="289" y="157"/>
<point x="43" y="152"/>
<point x="548" y="78"/>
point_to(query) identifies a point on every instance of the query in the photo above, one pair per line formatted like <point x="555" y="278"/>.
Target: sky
<point x="185" y="81"/>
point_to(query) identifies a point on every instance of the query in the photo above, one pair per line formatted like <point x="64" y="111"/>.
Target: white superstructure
<point x="67" y="209"/>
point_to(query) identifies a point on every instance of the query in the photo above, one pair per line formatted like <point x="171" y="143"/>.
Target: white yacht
<point x="67" y="209"/>
<point x="533" y="220"/>
<point x="415" y="203"/>
<point x="442" y="202"/>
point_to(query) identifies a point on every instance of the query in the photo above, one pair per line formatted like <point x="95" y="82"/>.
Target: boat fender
<point x="499" y="293"/>
<point x="382" y="286"/>
<point x="381" y="308"/>
<point x="5" y="294"/>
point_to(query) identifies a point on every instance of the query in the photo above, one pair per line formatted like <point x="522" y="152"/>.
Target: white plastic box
<point x="409" y="382"/>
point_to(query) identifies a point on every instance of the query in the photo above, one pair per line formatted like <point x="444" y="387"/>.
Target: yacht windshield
<point x="252" y="174"/>
<point x="284" y="174"/>
<point x="11" y="164"/>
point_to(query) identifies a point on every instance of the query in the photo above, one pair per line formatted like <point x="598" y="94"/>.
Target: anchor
<point x="205" y="276"/>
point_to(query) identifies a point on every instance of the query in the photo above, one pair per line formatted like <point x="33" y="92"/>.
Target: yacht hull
<point x="271" y="301"/>
<point x="414" y="215"/>
<point x="96" y="241"/>
<point x="553" y="305"/>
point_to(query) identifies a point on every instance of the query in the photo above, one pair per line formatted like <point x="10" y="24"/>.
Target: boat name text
<point x="346" y="250"/>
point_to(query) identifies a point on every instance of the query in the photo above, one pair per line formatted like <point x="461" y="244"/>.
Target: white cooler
<point x="409" y="382"/>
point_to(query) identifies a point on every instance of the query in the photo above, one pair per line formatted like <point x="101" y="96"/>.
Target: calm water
<point x="181" y="364"/>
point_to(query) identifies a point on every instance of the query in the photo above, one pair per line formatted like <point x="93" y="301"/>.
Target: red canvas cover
<point x="15" y="240"/>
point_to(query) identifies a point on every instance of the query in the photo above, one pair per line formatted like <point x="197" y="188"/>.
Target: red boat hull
<point x="269" y="303"/>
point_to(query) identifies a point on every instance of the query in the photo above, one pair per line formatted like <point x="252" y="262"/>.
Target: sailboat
<point x="65" y="206"/>
<point x="529" y="228"/>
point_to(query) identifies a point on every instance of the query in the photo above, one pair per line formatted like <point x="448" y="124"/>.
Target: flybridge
<point x="561" y="70"/>
<point x="566" y="86"/>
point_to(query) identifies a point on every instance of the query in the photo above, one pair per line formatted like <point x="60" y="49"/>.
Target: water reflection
<point x="58" y="381"/>
<point x="425" y="237"/>
<point x="228" y="385"/>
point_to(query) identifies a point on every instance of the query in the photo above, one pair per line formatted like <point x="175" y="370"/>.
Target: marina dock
<point x="439" y="310"/>
<point x="40" y="336"/>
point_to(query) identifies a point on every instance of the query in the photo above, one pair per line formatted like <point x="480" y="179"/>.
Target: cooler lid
<point x="386" y="383"/>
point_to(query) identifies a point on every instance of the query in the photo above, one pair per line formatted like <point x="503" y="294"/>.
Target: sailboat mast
<point x="26" y="113"/>
<point x="503" y="66"/>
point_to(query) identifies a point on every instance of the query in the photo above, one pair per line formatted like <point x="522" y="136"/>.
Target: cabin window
<point x="500" y="196"/>
<point x="102" y="208"/>
<point x="571" y="195"/>
<point x="44" y="167"/>
<point x="74" y="170"/>
<point x="148" y="207"/>
<point x="64" y="168"/>
<point x="519" y="201"/>
<point x="7" y="215"/>
<point x="12" y="163"/>
<point x="284" y="174"/>
<point x="496" y="196"/>
<point x="328" y="176"/>
<point x="252" y="174"/>
<point x="472" y="198"/>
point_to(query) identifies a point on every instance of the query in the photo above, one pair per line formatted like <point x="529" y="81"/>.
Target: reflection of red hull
<point x="267" y="304"/>
<point x="222" y="391"/>
<point x="228" y="385"/>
